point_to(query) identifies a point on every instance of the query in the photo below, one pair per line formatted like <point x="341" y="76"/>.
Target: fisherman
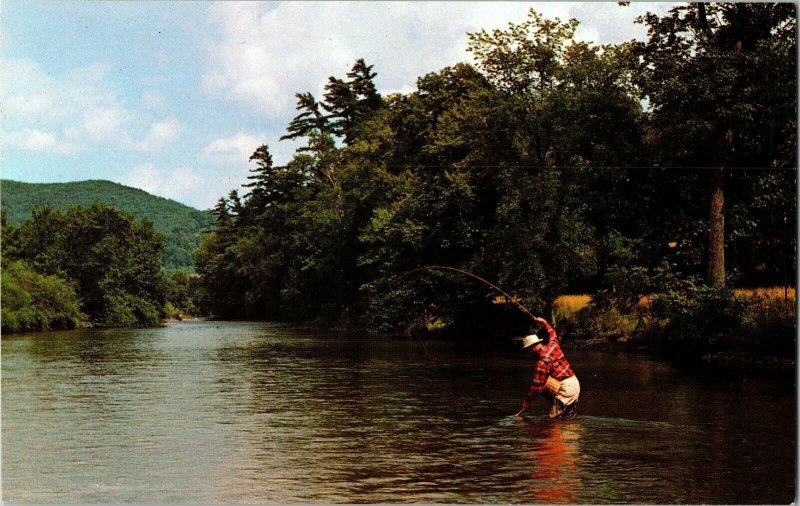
<point x="553" y="376"/>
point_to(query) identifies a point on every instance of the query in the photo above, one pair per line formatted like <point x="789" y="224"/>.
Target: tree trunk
<point x="716" y="232"/>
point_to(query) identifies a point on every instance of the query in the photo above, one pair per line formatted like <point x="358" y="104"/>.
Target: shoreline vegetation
<point x="650" y="176"/>
<point x="763" y="337"/>
<point x="92" y="266"/>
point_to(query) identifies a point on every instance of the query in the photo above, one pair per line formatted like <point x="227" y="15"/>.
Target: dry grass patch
<point x="571" y="304"/>
<point x="774" y="292"/>
<point x="568" y="305"/>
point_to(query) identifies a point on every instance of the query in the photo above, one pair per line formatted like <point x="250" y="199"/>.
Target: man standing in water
<point x="553" y="376"/>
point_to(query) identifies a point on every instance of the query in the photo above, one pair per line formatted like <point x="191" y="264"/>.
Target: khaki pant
<point x="567" y="396"/>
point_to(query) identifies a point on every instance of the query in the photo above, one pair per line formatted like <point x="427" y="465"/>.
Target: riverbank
<point x="740" y="359"/>
<point x="738" y="328"/>
<point x="731" y="359"/>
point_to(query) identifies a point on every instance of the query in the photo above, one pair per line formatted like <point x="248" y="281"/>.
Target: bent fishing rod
<point x="471" y="275"/>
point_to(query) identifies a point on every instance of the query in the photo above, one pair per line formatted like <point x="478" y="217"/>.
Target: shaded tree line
<point x="551" y="166"/>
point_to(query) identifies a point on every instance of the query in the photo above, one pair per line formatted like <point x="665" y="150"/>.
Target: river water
<point x="209" y="412"/>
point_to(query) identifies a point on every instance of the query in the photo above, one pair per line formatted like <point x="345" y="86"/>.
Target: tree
<point x="721" y="82"/>
<point x="526" y="168"/>
<point x="180" y="293"/>
<point x="309" y="121"/>
<point x="32" y="301"/>
<point x="571" y="112"/>
<point x="114" y="261"/>
<point x="350" y="103"/>
<point x="523" y="63"/>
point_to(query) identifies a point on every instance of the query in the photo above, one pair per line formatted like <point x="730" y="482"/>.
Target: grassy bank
<point x="742" y="327"/>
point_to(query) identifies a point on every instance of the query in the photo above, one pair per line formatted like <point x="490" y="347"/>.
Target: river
<point x="209" y="412"/>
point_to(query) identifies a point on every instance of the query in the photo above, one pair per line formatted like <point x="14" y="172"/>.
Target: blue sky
<point x="173" y="97"/>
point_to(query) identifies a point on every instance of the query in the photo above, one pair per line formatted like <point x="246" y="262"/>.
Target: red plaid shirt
<point x="551" y="362"/>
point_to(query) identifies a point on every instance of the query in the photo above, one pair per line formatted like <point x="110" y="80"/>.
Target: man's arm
<point x="550" y="331"/>
<point x="537" y="385"/>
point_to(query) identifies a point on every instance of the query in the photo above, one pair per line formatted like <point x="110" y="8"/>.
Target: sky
<point x="174" y="97"/>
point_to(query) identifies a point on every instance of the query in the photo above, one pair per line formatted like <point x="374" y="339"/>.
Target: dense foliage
<point x="183" y="294"/>
<point x="97" y="256"/>
<point x="181" y="225"/>
<point x="32" y="301"/>
<point x="721" y="82"/>
<point x="538" y="167"/>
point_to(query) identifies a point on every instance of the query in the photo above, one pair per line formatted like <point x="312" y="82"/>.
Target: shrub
<point x="692" y="317"/>
<point x="181" y="295"/>
<point x="121" y="309"/>
<point x="770" y="325"/>
<point x="596" y="322"/>
<point x="32" y="301"/>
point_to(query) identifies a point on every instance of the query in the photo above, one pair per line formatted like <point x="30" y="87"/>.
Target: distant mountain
<point x="181" y="225"/>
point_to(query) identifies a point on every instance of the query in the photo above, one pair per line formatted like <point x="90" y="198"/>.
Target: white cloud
<point x="105" y="123"/>
<point x="152" y="100"/>
<point x="29" y="94"/>
<point x="182" y="184"/>
<point x="81" y="104"/>
<point x="611" y="23"/>
<point x="159" y="135"/>
<point x="32" y="139"/>
<point x="36" y="140"/>
<point x="145" y="177"/>
<point x="233" y="150"/>
<point x="266" y="53"/>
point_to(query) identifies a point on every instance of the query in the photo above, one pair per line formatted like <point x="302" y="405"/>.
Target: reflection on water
<point x="255" y="413"/>
<point x="556" y="477"/>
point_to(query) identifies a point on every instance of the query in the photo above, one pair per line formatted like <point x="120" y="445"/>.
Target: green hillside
<point x="181" y="225"/>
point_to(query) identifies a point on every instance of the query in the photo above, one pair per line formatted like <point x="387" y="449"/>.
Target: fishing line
<point x="469" y="274"/>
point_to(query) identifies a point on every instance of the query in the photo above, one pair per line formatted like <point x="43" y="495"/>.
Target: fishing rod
<point x="469" y="274"/>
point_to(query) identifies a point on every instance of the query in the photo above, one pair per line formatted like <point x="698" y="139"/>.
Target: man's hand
<point x="540" y="320"/>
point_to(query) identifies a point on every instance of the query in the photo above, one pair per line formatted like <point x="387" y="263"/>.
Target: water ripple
<point x="208" y="412"/>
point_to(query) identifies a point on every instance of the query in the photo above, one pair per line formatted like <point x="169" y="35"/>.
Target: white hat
<point x="530" y="340"/>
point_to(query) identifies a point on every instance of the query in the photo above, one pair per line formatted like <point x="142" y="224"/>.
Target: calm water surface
<point x="208" y="412"/>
